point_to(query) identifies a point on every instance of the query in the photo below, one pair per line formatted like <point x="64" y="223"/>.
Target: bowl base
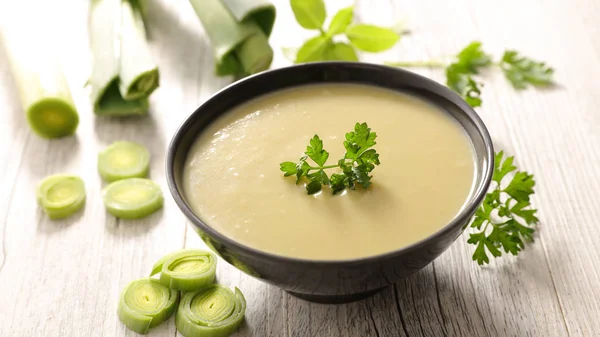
<point x="335" y="299"/>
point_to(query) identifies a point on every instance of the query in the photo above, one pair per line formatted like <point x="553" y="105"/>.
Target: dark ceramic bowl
<point x="339" y="280"/>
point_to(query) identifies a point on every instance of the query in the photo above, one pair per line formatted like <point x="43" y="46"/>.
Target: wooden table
<point x="63" y="278"/>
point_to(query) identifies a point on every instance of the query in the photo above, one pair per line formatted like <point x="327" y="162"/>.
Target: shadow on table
<point x="47" y="226"/>
<point x="420" y="305"/>
<point x="132" y="228"/>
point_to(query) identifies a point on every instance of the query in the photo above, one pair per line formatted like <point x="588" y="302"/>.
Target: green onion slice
<point x="187" y="269"/>
<point x="132" y="198"/>
<point x="238" y="31"/>
<point x="145" y="303"/>
<point x="61" y="195"/>
<point x="123" y="159"/>
<point x="213" y="311"/>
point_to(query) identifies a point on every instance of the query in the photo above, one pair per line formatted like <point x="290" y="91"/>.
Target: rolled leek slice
<point x="145" y="303"/>
<point x="61" y="195"/>
<point x="132" y="198"/>
<point x="186" y="269"/>
<point x="213" y="311"/>
<point x="123" y="72"/>
<point x="238" y="31"/>
<point x="122" y="160"/>
<point x="42" y="87"/>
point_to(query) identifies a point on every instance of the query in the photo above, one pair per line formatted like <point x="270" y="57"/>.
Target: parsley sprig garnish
<point x="356" y="164"/>
<point x="505" y="219"/>
<point x="461" y="73"/>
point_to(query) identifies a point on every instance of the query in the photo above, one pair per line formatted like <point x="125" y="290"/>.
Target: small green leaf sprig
<point x="519" y="70"/>
<point x="311" y="14"/>
<point x="505" y="219"/>
<point x="356" y="164"/>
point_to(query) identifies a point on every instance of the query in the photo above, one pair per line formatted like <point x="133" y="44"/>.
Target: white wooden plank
<point x="68" y="274"/>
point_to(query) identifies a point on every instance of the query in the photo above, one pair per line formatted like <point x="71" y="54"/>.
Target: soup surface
<point x="232" y="179"/>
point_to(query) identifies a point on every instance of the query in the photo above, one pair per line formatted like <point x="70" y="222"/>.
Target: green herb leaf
<point x="313" y="49"/>
<point x="472" y="58"/>
<point x="356" y="164"/>
<point x="340" y="52"/>
<point x="512" y="224"/>
<point x="371" y="38"/>
<point x="521" y="71"/>
<point x="288" y="168"/>
<point x="501" y="171"/>
<point x="310" y="14"/>
<point x="464" y="85"/>
<point x="315" y="151"/>
<point x="341" y="21"/>
<point x="359" y="140"/>
<point x="302" y="169"/>
<point x="313" y="187"/>
<point x="521" y="187"/>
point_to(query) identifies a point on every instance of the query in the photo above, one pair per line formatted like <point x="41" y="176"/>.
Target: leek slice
<point x="132" y="198"/>
<point x="61" y="195"/>
<point x="214" y="311"/>
<point x="238" y="31"/>
<point x="42" y="87"/>
<point x="122" y="160"/>
<point x="145" y="303"/>
<point x="123" y="74"/>
<point x="187" y="269"/>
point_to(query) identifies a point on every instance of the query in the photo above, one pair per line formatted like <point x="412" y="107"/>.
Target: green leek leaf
<point x="123" y="74"/>
<point x="238" y="31"/>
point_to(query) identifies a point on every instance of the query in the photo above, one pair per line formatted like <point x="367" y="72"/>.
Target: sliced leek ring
<point x="145" y="303"/>
<point x="122" y="160"/>
<point x="132" y="198"/>
<point x="213" y="311"/>
<point x="186" y="269"/>
<point x="61" y="195"/>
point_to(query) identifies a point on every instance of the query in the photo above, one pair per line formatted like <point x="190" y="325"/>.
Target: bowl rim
<point x="477" y="193"/>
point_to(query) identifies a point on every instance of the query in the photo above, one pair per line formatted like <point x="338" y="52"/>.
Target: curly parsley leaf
<point x="288" y="168"/>
<point x="472" y="58"/>
<point x="522" y="71"/>
<point x="355" y="166"/>
<point x="505" y="219"/>
<point x="464" y="85"/>
<point x="316" y="152"/>
<point x="460" y="73"/>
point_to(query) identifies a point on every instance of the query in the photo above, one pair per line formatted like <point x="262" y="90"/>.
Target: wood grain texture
<point x="62" y="278"/>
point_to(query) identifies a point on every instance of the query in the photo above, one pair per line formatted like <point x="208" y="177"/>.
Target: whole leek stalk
<point x="123" y="72"/>
<point x="238" y="31"/>
<point x="43" y="90"/>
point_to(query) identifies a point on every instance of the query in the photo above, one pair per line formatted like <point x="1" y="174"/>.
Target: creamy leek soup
<point x="233" y="183"/>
